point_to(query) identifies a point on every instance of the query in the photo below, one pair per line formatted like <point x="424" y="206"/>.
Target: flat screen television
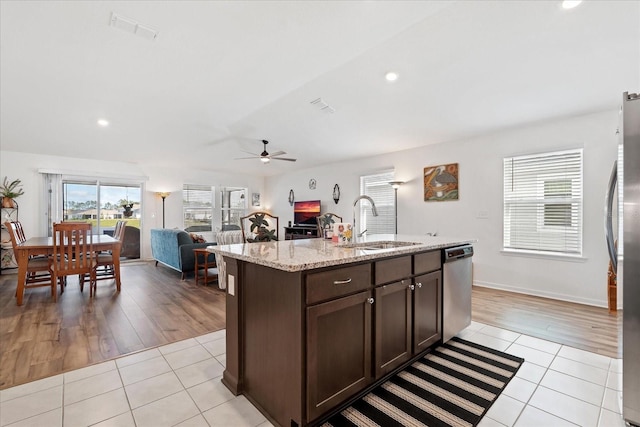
<point x="305" y="213"/>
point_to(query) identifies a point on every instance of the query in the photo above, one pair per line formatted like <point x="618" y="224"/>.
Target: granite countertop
<point x="307" y="254"/>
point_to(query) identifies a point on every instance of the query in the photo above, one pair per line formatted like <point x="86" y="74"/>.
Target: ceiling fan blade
<point x="249" y="152"/>
<point x="278" y="153"/>
<point x="245" y="158"/>
<point x="283" y="158"/>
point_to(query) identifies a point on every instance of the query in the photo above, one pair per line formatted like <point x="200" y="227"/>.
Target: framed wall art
<point x="441" y="183"/>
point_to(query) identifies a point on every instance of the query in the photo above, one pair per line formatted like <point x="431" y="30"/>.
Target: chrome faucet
<point x="374" y="211"/>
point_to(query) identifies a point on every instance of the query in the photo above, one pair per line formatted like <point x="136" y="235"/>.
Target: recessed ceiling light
<point x="102" y="122"/>
<point x="570" y="4"/>
<point x="391" y="76"/>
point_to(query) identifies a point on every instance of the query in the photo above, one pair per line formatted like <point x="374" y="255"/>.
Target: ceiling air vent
<point x="133" y="27"/>
<point x="323" y="106"/>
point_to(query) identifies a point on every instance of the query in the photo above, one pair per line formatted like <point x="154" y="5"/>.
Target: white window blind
<point x="197" y="203"/>
<point x="377" y="187"/>
<point x="543" y="202"/>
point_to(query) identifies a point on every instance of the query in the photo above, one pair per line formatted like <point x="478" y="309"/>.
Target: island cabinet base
<point x="267" y="362"/>
<point x="300" y="345"/>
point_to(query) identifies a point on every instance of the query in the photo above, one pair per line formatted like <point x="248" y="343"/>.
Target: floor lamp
<point x="396" y="185"/>
<point x="164" y="196"/>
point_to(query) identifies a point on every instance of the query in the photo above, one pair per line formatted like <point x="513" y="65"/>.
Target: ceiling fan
<point x="265" y="157"/>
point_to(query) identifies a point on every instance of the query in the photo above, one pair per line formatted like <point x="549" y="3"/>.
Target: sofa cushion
<point x="174" y="248"/>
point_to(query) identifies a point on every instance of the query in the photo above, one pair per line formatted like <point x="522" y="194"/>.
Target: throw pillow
<point x="197" y="238"/>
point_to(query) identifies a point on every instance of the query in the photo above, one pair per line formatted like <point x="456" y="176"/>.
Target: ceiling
<point x="220" y="76"/>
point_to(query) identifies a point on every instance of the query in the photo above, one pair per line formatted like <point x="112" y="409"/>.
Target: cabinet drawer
<point x="335" y="283"/>
<point x="426" y="262"/>
<point x="392" y="270"/>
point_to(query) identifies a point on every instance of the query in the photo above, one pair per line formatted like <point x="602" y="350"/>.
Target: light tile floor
<point x="179" y="385"/>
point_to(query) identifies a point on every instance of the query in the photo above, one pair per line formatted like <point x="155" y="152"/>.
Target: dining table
<point x="44" y="246"/>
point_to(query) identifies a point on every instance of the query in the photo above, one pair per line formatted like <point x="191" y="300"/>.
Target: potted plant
<point x="9" y="191"/>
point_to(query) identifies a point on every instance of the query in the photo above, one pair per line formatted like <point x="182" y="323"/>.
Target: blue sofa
<point x="174" y="248"/>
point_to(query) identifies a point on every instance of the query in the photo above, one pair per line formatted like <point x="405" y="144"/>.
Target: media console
<point x="301" y="232"/>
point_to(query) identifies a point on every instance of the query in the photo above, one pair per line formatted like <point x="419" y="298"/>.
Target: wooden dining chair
<point x="104" y="267"/>
<point x="38" y="274"/>
<point x="326" y="221"/>
<point x="259" y="227"/>
<point x="72" y="253"/>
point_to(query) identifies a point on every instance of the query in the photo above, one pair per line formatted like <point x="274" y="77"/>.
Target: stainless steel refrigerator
<point x="626" y="258"/>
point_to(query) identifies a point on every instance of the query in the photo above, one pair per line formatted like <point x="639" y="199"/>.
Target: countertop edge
<point x="343" y="255"/>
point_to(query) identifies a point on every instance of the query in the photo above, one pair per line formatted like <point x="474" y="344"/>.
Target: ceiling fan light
<point x="264" y="159"/>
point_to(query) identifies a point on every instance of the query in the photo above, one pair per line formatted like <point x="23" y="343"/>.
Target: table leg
<point x="23" y="262"/>
<point x="116" y="264"/>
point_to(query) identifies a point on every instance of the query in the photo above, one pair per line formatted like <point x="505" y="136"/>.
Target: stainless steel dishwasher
<point x="456" y="294"/>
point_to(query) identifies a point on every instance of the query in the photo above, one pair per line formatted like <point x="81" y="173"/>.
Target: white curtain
<point x="52" y="200"/>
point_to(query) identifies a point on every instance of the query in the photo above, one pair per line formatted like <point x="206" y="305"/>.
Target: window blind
<point x="197" y="202"/>
<point x="543" y="202"/>
<point x="377" y="187"/>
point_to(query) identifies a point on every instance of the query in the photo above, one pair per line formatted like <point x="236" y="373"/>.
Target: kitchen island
<point x="312" y="324"/>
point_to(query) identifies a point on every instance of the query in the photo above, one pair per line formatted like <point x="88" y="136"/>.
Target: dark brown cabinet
<point x="393" y="326"/>
<point x="300" y="344"/>
<point x="407" y="312"/>
<point x="427" y="311"/>
<point x="338" y="351"/>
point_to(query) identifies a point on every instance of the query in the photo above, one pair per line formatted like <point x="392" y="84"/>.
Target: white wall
<point x="32" y="212"/>
<point x="480" y="163"/>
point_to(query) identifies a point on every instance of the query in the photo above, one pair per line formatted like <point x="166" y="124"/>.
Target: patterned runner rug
<point x="454" y="385"/>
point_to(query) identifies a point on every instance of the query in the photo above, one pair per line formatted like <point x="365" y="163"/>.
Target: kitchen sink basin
<point x="379" y="245"/>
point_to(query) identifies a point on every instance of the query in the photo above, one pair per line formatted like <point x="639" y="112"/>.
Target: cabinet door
<point x="427" y="311"/>
<point x="338" y="351"/>
<point x="392" y="326"/>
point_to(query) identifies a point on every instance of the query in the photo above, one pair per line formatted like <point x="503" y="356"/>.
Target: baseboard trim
<point x="537" y="293"/>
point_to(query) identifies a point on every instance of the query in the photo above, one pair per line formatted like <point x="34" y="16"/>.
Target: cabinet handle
<point x="412" y="287"/>
<point x="342" y="282"/>
<point x="419" y="284"/>
<point x="370" y="300"/>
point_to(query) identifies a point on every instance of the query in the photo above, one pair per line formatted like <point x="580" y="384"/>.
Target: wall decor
<point x="255" y="199"/>
<point x="441" y="183"/>
<point x="291" y="197"/>
<point x="312" y="184"/>
<point x="336" y="193"/>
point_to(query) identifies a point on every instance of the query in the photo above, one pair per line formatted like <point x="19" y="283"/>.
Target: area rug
<point x="454" y="385"/>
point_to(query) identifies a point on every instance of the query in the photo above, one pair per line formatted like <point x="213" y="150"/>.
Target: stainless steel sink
<point x="379" y="245"/>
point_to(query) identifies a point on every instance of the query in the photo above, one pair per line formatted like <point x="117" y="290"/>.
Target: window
<point x="197" y="205"/>
<point x="101" y="203"/>
<point x="234" y="206"/>
<point x="377" y="187"/>
<point x="543" y="203"/>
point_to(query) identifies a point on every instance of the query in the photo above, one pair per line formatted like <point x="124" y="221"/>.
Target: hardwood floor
<point x="155" y="307"/>
<point x="42" y="338"/>
<point x="581" y="326"/>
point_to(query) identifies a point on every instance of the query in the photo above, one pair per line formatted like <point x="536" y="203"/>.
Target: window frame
<point x="526" y="194"/>
<point x="385" y="223"/>
<point x="191" y="207"/>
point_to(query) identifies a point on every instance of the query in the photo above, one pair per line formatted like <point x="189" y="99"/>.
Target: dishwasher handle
<point x="459" y="252"/>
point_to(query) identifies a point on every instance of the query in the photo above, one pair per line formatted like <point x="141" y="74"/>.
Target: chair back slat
<point x="118" y="233"/>
<point x="72" y="248"/>
<point x="16" y="232"/>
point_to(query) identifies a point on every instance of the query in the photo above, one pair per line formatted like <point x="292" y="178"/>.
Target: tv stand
<point x="301" y="232"/>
